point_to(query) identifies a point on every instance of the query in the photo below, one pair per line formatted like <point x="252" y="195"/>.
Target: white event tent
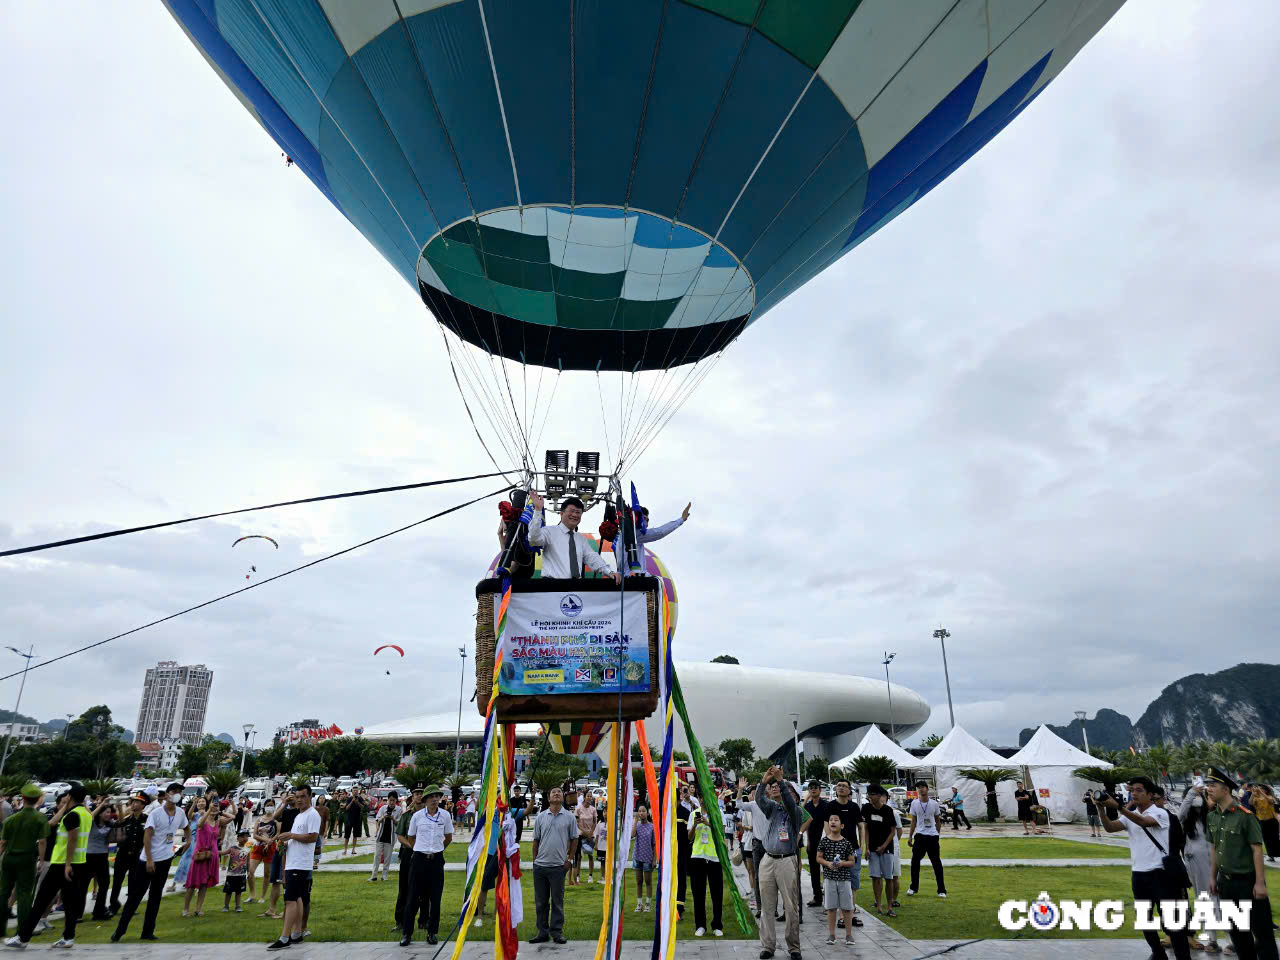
<point x="1050" y="762"/>
<point x="874" y="743"/>
<point x="959" y="750"/>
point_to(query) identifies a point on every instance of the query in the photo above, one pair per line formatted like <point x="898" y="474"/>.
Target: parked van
<point x="194" y="787"/>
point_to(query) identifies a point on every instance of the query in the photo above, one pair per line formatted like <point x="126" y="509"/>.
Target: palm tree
<point x="101" y="787"/>
<point x="224" y="782"/>
<point x="1155" y="762"/>
<point x="989" y="779"/>
<point x="1225" y="756"/>
<point x="11" y="783"/>
<point x="931" y="741"/>
<point x="1259" y="759"/>
<point x="1117" y="758"/>
<point x="873" y="770"/>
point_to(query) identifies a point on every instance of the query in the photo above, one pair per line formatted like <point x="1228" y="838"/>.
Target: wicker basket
<point x="561" y="706"/>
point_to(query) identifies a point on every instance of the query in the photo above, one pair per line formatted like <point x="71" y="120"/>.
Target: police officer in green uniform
<point x="67" y="873"/>
<point x="405" y="846"/>
<point x="1235" y="838"/>
<point x="22" y="843"/>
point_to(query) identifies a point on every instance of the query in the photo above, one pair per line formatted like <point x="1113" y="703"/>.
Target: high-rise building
<point x="174" y="701"/>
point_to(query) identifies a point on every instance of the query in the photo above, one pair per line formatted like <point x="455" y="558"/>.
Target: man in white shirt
<point x="650" y="535"/>
<point x="923" y="839"/>
<point x="565" y="551"/>
<point x="299" y="843"/>
<point x="1148" y="829"/>
<point x="431" y="830"/>
<point x="148" y="875"/>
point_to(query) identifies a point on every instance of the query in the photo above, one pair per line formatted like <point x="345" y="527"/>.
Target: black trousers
<point x="55" y="881"/>
<point x="426" y="885"/>
<point x="926" y="846"/>
<point x="149" y="885"/>
<point x="1154" y="885"/>
<point x="815" y="871"/>
<point x="756" y="854"/>
<point x="957" y="816"/>
<point x="124" y="863"/>
<point x="1260" y="939"/>
<point x="707" y="873"/>
<point x="402" y="891"/>
<point x="99" y="870"/>
<point x="684" y="847"/>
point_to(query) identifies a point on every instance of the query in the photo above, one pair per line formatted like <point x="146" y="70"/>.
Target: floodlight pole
<point x="1083" y="732"/>
<point x="244" y="752"/>
<point x="21" y="686"/>
<point x="462" y="676"/>
<point x="942" y="633"/>
<point x="888" y="657"/>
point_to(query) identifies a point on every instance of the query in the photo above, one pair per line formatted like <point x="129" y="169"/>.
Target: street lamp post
<point x="9" y="736"/>
<point x="462" y="676"/>
<point x="888" y="658"/>
<point x="795" y="742"/>
<point x="244" y="750"/>
<point x="1083" y="732"/>
<point x="942" y="633"/>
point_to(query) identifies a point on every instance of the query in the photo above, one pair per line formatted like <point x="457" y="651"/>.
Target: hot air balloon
<point x="606" y="186"/>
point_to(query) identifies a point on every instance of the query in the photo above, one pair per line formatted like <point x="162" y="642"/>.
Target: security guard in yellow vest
<point x="67" y="873"/>
<point x="1235" y="840"/>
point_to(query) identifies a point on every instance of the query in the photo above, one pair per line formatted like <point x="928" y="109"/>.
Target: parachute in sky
<point x="604" y="185"/>
<point x="255" y="536"/>
<point x="389" y="646"/>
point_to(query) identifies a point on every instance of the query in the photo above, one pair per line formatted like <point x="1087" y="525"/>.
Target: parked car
<point x="194" y="787"/>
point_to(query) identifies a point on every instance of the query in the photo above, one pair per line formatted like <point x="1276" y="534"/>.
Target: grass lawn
<point x="1024" y="848"/>
<point x="347" y="907"/>
<point x="975" y="893"/>
<point x="456" y="852"/>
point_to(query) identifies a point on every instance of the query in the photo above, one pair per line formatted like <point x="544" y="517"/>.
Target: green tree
<point x="815" y="768"/>
<point x="551" y="769"/>
<point x="1260" y="759"/>
<point x="736" y="753"/>
<point x="931" y="741"/>
<point x="724" y="658"/>
<point x="378" y="756"/>
<point x="100" y="739"/>
<point x="1225" y="756"/>
<point x="423" y="773"/>
<point x="273" y="759"/>
<point x="342" y="756"/>
<point x="989" y="779"/>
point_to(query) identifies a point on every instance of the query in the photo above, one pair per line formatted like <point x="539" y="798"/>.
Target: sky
<point x="1039" y="408"/>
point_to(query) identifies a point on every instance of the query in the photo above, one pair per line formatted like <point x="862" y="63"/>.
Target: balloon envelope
<point x="626" y="185"/>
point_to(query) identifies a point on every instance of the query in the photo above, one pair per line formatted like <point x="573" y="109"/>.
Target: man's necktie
<point x="573" y="556"/>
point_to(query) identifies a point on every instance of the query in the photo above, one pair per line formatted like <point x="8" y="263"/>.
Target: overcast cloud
<point x="1040" y="407"/>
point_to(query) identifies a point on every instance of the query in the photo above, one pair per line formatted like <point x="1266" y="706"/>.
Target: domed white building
<point x="728" y="700"/>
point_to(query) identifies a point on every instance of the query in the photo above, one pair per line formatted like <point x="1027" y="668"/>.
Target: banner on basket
<point x="575" y="643"/>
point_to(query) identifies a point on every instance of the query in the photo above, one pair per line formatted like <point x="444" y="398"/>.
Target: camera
<point x="1099" y="795"/>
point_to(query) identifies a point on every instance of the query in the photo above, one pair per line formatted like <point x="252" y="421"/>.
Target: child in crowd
<point x="644" y="857"/>
<point x="602" y="844"/>
<point x="835" y="853"/>
<point x="237" y="855"/>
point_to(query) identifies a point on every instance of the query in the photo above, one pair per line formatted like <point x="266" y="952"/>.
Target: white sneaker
<point x="639" y="907"/>
<point x="41" y="927"/>
<point x="911" y="893"/>
<point x="646" y="906"/>
<point x="718" y="933"/>
<point x="63" y="942"/>
<point x="942" y="896"/>
<point x="16" y="943"/>
<point x="700" y="931"/>
<point x="479" y="922"/>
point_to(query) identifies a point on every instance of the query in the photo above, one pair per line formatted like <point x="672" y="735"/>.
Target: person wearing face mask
<point x="565" y="551"/>
<point x="149" y="871"/>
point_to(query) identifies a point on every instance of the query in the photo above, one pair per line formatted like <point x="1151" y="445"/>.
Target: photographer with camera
<point x="1155" y="866"/>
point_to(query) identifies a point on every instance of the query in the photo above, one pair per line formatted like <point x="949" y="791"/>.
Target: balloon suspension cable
<point x="228" y="513"/>
<point x="260" y="583"/>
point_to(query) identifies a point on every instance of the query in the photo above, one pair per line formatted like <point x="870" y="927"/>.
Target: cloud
<point x="1039" y="408"/>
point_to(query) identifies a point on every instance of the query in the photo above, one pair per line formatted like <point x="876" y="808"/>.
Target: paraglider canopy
<point x="389" y="646"/>
<point x="257" y="536"/>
